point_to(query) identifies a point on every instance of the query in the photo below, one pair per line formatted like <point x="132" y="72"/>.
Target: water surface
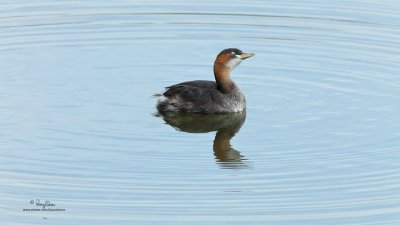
<point x="319" y="143"/>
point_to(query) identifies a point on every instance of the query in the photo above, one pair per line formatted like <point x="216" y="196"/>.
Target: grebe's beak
<point x="246" y="55"/>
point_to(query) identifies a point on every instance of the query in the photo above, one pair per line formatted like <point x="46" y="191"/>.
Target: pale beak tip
<point x="246" y="55"/>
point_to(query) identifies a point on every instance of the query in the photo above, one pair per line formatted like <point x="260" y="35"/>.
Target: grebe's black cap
<point x="233" y="51"/>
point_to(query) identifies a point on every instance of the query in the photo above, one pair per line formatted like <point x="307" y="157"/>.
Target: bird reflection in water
<point x="226" y="125"/>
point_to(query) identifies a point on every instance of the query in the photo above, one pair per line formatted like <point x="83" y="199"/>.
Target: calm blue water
<point x="319" y="143"/>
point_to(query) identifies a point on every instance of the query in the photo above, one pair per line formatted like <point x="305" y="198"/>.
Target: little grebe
<point x="202" y="96"/>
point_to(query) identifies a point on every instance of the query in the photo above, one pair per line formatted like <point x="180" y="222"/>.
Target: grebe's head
<point x="231" y="57"/>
